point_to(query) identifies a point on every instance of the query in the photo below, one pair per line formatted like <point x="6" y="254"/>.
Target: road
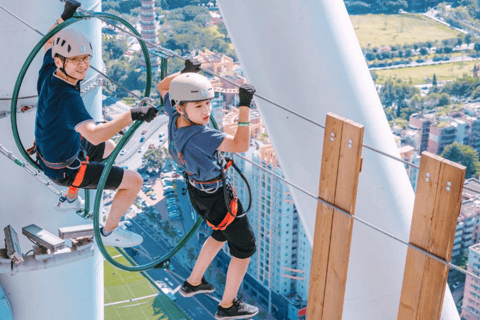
<point x="132" y="158"/>
<point x="200" y="307"/>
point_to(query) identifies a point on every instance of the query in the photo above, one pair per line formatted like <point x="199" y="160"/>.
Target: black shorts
<point x="239" y="234"/>
<point x="94" y="170"/>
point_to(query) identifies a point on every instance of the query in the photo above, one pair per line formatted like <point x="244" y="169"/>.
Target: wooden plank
<point x="345" y="198"/>
<point x="324" y="216"/>
<point x="447" y="209"/>
<point x="424" y="205"/>
<point x="436" y="210"/>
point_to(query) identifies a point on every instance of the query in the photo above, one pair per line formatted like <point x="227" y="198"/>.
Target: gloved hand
<point x="70" y="8"/>
<point x="147" y="113"/>
<point x="246" y="92"/>
<point x="191" y="65"/>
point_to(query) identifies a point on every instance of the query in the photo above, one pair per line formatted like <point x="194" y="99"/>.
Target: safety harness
<point x="211" y="186"/>
<point x="82" y="167"/>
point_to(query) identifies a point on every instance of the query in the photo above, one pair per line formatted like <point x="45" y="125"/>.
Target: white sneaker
<point x="121" y="237"/>
<point x="65" y="206"/>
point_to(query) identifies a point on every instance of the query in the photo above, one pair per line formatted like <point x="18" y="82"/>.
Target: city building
<point x="471" y="296"/>
<point x="408" y="153"/>
<point x="468" y="223"/>
<point x="278" y="275"/>
<point x="422" y="122"/>
<point x="149" y="29"/>
<point x="441" y="135"/>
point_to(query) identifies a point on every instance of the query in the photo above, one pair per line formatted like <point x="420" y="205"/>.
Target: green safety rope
<point x="115" y="152"/>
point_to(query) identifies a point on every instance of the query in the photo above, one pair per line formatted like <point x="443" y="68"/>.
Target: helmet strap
<point x="64" y="60"/>
<point x="184" y="115"/>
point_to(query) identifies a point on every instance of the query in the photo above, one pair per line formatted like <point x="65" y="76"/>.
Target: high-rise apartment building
<point x="471" y="295"/>
<point x="279" y="272"/>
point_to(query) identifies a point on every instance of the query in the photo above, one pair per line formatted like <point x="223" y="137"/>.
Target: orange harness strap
<point x="79" y="177"/>
<point x="230" y="217"/>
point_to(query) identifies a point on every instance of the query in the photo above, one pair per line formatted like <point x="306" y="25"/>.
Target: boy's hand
<point x="147" y="113"/>
<point x="70" y="8"/>
<point x="246" y="95"/>
<point x="191" y="65"/>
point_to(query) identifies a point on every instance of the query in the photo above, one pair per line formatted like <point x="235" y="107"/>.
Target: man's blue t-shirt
<point x="60" y="111"/>
<point x="193" y="147"/>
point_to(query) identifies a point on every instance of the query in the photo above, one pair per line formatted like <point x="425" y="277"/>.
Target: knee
<point x="132" y="180"/>
<point x="109" y="146"/>
<point x="137" y="180"/>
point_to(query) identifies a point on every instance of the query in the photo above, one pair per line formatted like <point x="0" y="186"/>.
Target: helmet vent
<point x="58" y="39"/>
<point x="69" y="48"/>
<point x="63" y="42"/>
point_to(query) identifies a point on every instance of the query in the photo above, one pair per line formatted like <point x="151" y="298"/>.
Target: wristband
<point x="244" y="124"/>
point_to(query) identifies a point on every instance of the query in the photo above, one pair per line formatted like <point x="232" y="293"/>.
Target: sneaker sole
<point x="189" y="295"/>
<point x="236" y="317"/>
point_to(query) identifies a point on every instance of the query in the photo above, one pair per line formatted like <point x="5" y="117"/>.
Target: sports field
<point x="419" y="75"/>
<point x="376" y="30"/>
<point x="130" y="295"/>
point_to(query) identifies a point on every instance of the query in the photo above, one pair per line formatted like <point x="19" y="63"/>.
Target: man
<point x="69" y="145"/>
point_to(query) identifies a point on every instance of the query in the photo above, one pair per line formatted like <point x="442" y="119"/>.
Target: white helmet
<point x="190" y="87"/>
<point x="70" y="43"/>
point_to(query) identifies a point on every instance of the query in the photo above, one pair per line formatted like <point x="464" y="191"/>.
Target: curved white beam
<point x="305" y="56"/>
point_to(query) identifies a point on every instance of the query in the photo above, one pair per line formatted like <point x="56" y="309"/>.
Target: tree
<point x="476" y="47"/>
<point x="222" y="28"/>
<point x="434" y="80"/>
<point x="464" y="155"/>
<point x="155" y="157"/>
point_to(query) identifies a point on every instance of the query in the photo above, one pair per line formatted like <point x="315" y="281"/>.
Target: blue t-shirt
<point x="193" y="147"/>
<point x="60" y="111"/>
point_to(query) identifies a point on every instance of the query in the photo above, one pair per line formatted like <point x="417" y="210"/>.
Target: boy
<point x="69" y="145"/>
<point x="194" y="147"/>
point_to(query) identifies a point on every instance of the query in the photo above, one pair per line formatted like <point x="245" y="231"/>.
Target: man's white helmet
<point x="71" y="43"/>
<point x="190" y="87"/>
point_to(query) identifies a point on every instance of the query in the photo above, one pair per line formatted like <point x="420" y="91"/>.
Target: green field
<point x="130" y="295"/>
<point x="376" y="30"/>
<point x="419" y="75"/>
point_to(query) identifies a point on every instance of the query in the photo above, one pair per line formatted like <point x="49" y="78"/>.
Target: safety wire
<point x="170" y="53"/>
<point x="27" y="168"/>
<point x="451" y="265"/>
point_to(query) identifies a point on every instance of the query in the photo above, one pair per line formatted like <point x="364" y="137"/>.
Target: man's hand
<point x="147" y="113"/>
<point x="246" y="95"/>
<point x="70" y="8"/>
<point x="191" y="65"/>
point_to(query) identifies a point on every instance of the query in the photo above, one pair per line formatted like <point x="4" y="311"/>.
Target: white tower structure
<point x="69" y="291"/>
<point x="305" y="56"/>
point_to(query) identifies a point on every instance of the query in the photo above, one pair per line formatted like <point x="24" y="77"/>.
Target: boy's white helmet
<point x="190" y="87"/>
<point x="71" y="43"/>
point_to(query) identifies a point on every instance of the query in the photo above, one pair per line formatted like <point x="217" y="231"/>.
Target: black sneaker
<point x="239" y="310"/>
<point x="187" y="290"/>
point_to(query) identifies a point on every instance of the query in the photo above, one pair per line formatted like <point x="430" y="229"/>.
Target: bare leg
<point x="236" y="272"/>
<point x="209" y="251"/>
<point x="109" y="146"/>
<point x="126" y="194"/>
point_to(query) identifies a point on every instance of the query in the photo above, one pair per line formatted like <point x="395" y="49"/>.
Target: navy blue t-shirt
<point x="60" y="111"/>
<point x="193" y="147"/>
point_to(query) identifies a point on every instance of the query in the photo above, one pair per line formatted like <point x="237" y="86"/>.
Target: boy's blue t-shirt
<point x="60" y="111"/>
<point x="193" y="147"/>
